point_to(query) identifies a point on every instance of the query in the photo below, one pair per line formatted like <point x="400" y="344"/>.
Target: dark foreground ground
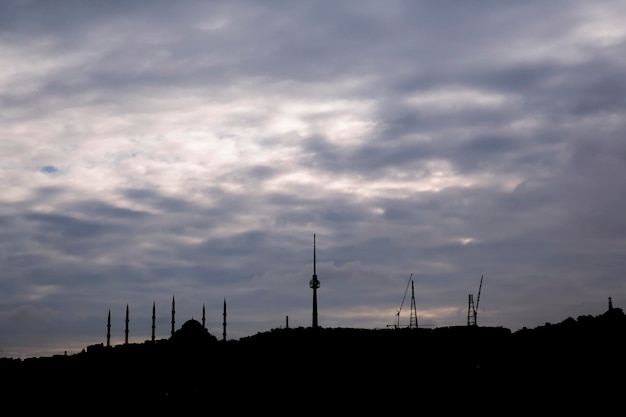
<point x="574" y="366"/>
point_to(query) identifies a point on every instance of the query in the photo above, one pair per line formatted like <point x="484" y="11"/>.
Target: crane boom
<point x="479" y="288"/>
<point x="402" y="303"/>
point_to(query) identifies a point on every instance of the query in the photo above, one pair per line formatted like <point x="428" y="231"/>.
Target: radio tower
<point x="413" y="319"/>
<point x="315" y="284"/>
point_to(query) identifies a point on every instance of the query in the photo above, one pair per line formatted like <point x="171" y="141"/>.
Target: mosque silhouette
<point x="191" y="330"/>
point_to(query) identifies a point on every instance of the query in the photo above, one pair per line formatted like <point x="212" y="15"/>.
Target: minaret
<point x="610" y="304"/>
<point x="315" y="284"/>
<point x="224" y="323"/>
<point x="203" y="318"/>
<point x="109" y="329"/>
<point x="153" y="319"/>
<point x="173" y="312"/>
<point x="126" y="331"/>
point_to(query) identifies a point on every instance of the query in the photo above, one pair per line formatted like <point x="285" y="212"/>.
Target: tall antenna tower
<point x="314" y="284"/>
<point x="413" y="319"/>
<point x="472" y="311"/>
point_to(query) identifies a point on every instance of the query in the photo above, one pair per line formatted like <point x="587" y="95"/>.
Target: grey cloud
<point x="604" y="93"/>
<point x="155" y="200"/>
<point x="67" y="227"/>
<point x="101" y="209"/>
<point x="254" y="175"/>
<point x="377" y="158"/>
<point x="292" y="35"/>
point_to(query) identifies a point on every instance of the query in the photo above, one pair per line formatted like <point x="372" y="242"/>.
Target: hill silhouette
<point x="578" y="363"/>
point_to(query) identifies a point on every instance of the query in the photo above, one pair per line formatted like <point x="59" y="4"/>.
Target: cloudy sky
<point x="192" y="149"/>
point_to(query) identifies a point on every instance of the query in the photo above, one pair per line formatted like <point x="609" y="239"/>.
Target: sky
<point x="209" y="151"/>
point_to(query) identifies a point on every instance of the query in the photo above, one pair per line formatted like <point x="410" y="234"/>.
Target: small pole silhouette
<point x="126" y="330"/>
<point x="153" y="319"/>
<point x="109" y="329"/>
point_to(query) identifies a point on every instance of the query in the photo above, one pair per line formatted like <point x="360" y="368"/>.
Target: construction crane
<point x="472" y="311"/>
<point x="397" y="324"/>
<point x="413" y="319"/>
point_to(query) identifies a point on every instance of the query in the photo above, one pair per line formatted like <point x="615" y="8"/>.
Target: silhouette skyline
<point x="357" y="368"/>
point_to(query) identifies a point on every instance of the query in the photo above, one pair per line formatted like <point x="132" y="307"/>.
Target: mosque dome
<point x="193" y="333"/>
<point x="192" y="325"/>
